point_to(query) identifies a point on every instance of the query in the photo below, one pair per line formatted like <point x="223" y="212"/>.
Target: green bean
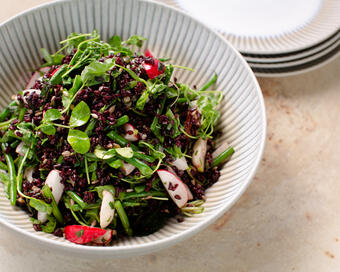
<point x="3" y="166"/>
<point x="123" y="217"/>
<point x="223" y="156"/>
<point x="209" y="83"/>
<point x="57" y="77"/>
<point x="143" y="157"/>
<point x="15" y="144"/>
<point x="117" y="138"/>
<point x="6" y="111"/>
<point x="55" y="209"/>
<point x="121" y="121"/>
<point x="4" y="125"/>
<point x="143" y="194"/>
<point x="142" y="167"/>
<point x="134" y="204"/>
<point x="76" y="199"/>
<point x="154" y="125"/>
<point x="90" y="127"/>
<point x="21" y="114"/>
<point x="12" y="175"/>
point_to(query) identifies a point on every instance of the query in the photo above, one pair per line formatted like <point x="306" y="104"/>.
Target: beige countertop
<point x="287" y="220"/>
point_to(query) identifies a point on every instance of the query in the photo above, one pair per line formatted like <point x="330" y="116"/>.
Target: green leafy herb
<point x="79" y="141"/>
<point x="51" y="115"/>
<point x="48" y="129"/>
<point x="80" y="115"/>
<point x="50" y="226"/>
<point x="40" y="206"/>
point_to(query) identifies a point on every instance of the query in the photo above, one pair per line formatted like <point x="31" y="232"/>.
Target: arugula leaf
<point x="115" y="163"/>
<point x="100" y="189"/>
<point x="79" y="141"/>
<point x="40" y="205"/>
<point x="93" y="167"/>
<point x="50" y="226"/>
<point x="115" y="42"/>
<point x="80" y="115"/>
<point x="135" y="40"/>
<point x="96" y="73"/>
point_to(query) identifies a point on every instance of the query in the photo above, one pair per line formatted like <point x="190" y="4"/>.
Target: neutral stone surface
<point x="288" y="219"/>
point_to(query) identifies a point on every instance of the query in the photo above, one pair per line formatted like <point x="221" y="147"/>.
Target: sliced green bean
<point x="143" y="194"/>
<point x="142" y="167"/>
<point x="223" y="156"/>
<point x="114" y="135"/>
<point x="144" y="157"/>
<point x="123" y="217"/>
<point x="209" y="83"/>
<point x="55" y="209"/>
<point x="121" y="121"/>
<point x="12" y="175"/>
<point x="21" y="114"/>
<point x="77" y="199"/>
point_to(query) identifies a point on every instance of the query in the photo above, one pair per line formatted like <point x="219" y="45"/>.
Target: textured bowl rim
<point x="141" y="249"/>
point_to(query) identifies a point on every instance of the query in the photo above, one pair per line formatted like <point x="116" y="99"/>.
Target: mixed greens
<point x="103" y="143"/>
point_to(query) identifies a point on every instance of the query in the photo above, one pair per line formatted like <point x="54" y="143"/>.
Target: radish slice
<point x="198" y="154"/>
<point x="180" y="163"/>
<point x="20" y="149"/>
<point x="106" y="210"/>
<point x="190" y="196"/>
<point x="83" y="234"/>
<point x="35" y="76"/>
<point x="175" y="187"/>
<point x="148" y="53"/>
<point x="53" y="180"/>
<point x="220" y="150"/>
<point x="104" y="239"/>
<point x="127" y="168"/>
<point x="131" y="134"/>
<point x="28" y="174"/>
<point x="44" y="70"/>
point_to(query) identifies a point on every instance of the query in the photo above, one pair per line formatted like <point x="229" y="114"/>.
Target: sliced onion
<point x="106" y="210"/>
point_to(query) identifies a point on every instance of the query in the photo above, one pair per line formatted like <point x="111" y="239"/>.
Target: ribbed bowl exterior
<point x="172" y="34"/>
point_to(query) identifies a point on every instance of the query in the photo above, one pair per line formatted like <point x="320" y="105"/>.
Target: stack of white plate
<point x="276" y="37"/>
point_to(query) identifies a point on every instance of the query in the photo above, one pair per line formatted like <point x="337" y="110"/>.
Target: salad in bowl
<point x="104" y="143"/>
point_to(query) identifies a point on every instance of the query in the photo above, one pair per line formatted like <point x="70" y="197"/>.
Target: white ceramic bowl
<point x="172" y="34"/>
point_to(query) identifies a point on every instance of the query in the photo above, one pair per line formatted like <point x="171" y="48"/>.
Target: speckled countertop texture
<point x="287" y="220"/>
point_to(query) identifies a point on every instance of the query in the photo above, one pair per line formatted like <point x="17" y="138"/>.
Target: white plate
<point x="292" y="56"/>
<point x="169" y="33"/>
<point x="309" y="59"/>
<point x="267" y="26"/>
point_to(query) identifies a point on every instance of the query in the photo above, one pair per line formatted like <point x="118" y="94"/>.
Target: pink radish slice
<point x="180" y="163"/>
<point x="175" y="187"/>
<point x="127" y="168"/>
<point x="35" y="76"/>
<point x="190" y="196"/>
<point x="53" y="180"/>
<point x="28" y="174"/>
<point x="106" y="209"/>
<point x="220" y="149"/>
<point x="104" y="239"/>
<point x="44" y="70"/>
<point x="20" y="150"/>
<point x="131" y="134"/>
<point x="198" y="154"/>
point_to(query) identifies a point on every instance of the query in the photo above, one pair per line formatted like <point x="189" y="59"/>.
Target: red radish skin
<point x="148" y="53"/>
<point x="35" y="76"/>
<point x="104" y="239"/>
<point x="175" y="187"/>
<point x="131" y="134"/>
<point x="55" y="71"/>
<point x="83" y="234"/>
